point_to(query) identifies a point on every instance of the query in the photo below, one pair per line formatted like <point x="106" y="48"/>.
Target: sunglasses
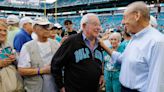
<point x="47" y="27"/>
<point x="116" y="31"/>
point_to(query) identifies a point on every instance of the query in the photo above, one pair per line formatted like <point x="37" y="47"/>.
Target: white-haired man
<point x="142" y="60"/>
<point x="24" y="35"/>
<point x="81" y="57"/>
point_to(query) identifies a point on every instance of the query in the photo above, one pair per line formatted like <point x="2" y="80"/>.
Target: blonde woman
<point x="10" y="79"/>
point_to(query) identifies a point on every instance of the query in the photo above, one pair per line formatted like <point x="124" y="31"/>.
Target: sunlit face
<point x="129" y="22"/>
<point x="93" y="27"/>
<point x="42" y="32"/>
<point x="3" y="34"/>
<point x="53" y="32"/>
<point x="114" y="40"/>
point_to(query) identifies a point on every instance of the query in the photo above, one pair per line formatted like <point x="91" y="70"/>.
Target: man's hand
<point x="62" y="89"/>
<point x="101" y="43"/>
<point x="63" y="39"/>
<point x="45" y="69"/>
<point x="108" y="50"/>
<point x="101" y="81"/>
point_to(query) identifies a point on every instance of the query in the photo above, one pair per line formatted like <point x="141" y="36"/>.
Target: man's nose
<point x="123" y="22"/>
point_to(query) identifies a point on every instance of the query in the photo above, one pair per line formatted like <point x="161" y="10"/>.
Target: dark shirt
<point x="68" y="33"/>
<point x="82" y="67"/>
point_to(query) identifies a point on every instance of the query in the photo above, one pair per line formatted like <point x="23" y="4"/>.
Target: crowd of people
<point x="38" y="56"/>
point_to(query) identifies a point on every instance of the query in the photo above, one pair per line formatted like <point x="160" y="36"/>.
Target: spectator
<point x="59" y="27"/>
<point x="81" y="57"/>
<point x="13" y="29"/>
<point x="24" y="35"/>
<point x="126" y="38"/>
<point x="55" y="30"/>
<point x="111" y="69"/>
<point x="35" y="59"/>
<point x="6" y="56"/>
<point x="69" y="29"/>
<point x="8" y="72"/>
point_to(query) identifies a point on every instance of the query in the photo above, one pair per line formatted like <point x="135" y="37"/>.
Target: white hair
<point x="85" y="19"/>
<point x="118" y="35"/>
<point x="25" y="20"/>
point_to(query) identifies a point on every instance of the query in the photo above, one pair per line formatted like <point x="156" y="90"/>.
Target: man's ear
<point x="84" y="25"/>
<point x="137" y="16"/>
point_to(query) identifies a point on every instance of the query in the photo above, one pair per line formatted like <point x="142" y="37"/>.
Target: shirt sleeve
<point x="18" y="42"/>
<point x="116" y="56"/>
<point x="24" y="58"/>
<point x="156" y="74"/>
<point x="58" y="61"/>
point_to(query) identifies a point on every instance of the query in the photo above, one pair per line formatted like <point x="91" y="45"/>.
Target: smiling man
<point x="81" y="57"/>
<point x="143" y="56"/>
<point x="35" y="58"/>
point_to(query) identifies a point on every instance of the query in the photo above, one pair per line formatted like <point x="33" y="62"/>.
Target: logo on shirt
<point x="98" y="55"/>
<point x="81" y="54"/>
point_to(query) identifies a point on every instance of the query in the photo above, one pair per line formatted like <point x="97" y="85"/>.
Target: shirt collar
<point x="142" y="32"/>
<point x="85" y="38"/>
<point x="26" y="32"/>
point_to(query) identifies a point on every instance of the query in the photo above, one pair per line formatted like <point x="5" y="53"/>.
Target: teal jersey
<point x="108" y="63"/>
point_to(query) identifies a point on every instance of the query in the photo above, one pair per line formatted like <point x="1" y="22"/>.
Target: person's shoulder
<point x="72" y="38"/>
<point x="74" y="31"/>
<point x="75" y="36"/>
<point x="156" y="35"/>
<point x="19" y="34"/>
<point x="30" y="43"/>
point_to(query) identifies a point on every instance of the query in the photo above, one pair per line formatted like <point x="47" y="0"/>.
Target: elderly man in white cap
<point x="35" y="59"/>
<point x="24" y="35"/>
<point x="12" y="21"/>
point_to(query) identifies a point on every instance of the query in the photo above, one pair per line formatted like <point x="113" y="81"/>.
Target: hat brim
<point x="43" y="23"/>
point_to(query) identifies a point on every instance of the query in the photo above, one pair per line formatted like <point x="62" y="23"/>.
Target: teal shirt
<point x="108" y="63"/>
<point x="58" y="38"/>
<point x="124" y="44"/>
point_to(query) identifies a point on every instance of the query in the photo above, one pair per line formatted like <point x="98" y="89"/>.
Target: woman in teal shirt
<point x="111" y="69"/>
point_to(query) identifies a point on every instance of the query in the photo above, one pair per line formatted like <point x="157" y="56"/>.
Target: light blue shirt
<point x="87" y="42"/>
<point x="141" y="60"/>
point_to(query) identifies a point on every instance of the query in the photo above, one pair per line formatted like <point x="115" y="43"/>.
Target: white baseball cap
<point x="57" y="25"/>
<point x="25" y="20"/>
<point x="41" y="21"/>
<point x="12" y="19"/>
